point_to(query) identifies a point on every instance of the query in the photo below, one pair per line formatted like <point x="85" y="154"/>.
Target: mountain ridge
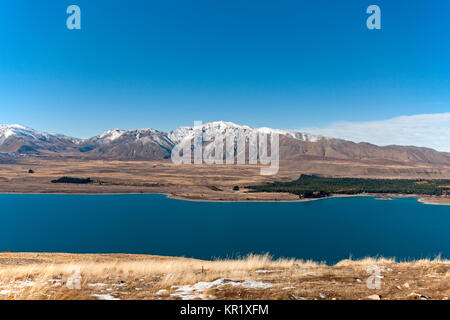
<point x="150" y="144"/>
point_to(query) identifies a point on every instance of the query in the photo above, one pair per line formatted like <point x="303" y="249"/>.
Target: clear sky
<point x="162" y="64"/>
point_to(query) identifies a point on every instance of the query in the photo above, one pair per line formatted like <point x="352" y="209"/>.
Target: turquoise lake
<point x="326" y="230"/>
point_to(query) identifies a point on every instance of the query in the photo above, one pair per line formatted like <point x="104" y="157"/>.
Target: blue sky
<point x="162" y="64"/>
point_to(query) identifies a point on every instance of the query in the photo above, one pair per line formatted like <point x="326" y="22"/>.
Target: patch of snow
<point x="23" y="284"/>
<point x="56" y="282"/>
<point x="161" y="292"/>
<point x="4" y="292"/>
<point x="105" y="297"/>
<point x="268" y="271"/>
<point x="111" y="135"/>
<point x="288" y="288"/>
<point x="189" y="292"/>
<point x="97" y="284"/>
<point x="123" y="284"/>
<point x="251" y="284"/>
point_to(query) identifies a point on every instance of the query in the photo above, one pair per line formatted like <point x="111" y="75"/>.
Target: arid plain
<point x="192" y="182"/>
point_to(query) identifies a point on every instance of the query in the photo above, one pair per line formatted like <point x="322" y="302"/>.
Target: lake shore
<point x="380" y="196"/>
<point x="429" y="200"/>
<point x="193" y="183"/>
<point x="265" y="197"/>
<point x="124" y="276"/>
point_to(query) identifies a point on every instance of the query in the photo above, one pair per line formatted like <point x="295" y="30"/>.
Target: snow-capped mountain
<point x="17" y="130"/>
<point x="236" y="132"/>
<point x="138" y="144"/>
<point x="144" y="144"/>
<point x="16" y="138"/>
<point x="225" y="129"/>
<point x="146" y="136"/>
<point x="7" y="131"/>
<point x="150" y="144"/>
<point x="109" y="136"/>
<point x="141" y="135"/>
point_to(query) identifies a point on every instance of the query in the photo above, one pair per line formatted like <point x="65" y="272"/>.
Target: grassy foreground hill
<point x="118" y="276"/>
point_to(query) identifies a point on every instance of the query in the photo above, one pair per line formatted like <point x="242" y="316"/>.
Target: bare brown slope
<point x="337" y="149"/>
<point x="31" y="146"/>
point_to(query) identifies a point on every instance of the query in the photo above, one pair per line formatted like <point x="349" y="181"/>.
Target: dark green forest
<point x="310" y="186"/>
<point x="72" y="180"/>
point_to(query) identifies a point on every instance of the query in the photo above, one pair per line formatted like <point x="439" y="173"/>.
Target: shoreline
<point x="145" y="256"/>
<point x="423" y="199"/>
<point x="200" y="183"/>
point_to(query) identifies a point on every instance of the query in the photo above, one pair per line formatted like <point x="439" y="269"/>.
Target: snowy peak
<point x="18" y="140"/>
<point x="141" y="144"/>
<point x="230" y="128"/>
<point x="144" y="143"/>
<point x="24" y="133"/>
<point x="9" y="130"/>
<point x="110" y="135"/>
<point x="117" y="134"/>
<point x="148" y="134"/>
<point x="292" y="134"/>
<point x="129" y="137"/>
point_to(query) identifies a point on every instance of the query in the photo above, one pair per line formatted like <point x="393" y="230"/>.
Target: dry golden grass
<point x="46" y="275"/>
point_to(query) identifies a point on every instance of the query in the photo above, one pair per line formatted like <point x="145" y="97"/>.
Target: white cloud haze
<point x="423" y="130"/>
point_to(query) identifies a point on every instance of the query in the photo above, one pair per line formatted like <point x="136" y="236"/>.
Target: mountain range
<point x="150" y="144"/>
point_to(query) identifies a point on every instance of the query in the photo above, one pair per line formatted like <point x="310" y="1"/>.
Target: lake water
<point x="326" y="230"/>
